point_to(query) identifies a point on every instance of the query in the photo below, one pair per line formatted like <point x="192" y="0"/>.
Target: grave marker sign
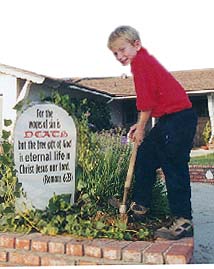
<point x="45" y="153"/>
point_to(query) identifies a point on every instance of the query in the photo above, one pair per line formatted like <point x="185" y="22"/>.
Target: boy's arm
<point x="137" y="131"/>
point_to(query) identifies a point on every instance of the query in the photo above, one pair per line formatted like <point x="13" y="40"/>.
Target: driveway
<point x="203" y="218"/>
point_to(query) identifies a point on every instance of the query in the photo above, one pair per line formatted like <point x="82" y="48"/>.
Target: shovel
<point x="115" y="202"/>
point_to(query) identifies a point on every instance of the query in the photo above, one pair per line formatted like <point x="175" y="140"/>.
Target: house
<point x="118" y="92"/>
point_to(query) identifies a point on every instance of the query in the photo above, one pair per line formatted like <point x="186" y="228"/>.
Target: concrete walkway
<point x="200" y="152"/>
<point x="203" y="218"/>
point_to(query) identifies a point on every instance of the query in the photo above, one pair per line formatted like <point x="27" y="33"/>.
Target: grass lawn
<point x="203" y="160"/>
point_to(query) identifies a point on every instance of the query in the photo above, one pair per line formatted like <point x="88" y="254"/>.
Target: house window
<point x="129" y="112"/>
<point x="200" y="104"/>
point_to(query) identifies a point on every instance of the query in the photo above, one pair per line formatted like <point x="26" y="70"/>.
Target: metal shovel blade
<point x="113" y="201"/>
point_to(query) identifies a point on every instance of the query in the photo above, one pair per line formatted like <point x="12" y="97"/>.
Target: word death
<point x="43" y="134"/>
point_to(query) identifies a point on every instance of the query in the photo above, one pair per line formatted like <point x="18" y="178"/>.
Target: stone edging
<point x="40" y="250"/>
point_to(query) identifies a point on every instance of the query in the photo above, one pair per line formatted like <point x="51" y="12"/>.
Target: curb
<point x="35" y="249"/>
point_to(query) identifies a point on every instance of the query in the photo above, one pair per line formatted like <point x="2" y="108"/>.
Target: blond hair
<point x="127" y="32"/>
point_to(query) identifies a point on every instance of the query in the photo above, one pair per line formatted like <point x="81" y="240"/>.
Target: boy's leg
<point x="145" y="171"/>
<point x="177" y="133"/>
<point x="178" y="188"/>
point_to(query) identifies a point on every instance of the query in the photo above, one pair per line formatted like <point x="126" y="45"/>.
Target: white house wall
<point x="37" y="90"/>
<point x="211" y="113"/>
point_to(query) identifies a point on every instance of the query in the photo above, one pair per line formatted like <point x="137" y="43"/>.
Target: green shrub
<point x="10" y="188"/>
<point x="103" y="163"/>
<point x="207" y="132"/>
<point x="159" y="207"/>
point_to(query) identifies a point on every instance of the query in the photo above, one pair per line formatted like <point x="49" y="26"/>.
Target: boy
<point x="169" y="142"/>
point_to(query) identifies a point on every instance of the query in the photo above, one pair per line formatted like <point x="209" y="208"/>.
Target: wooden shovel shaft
<point x="130" y="173"/>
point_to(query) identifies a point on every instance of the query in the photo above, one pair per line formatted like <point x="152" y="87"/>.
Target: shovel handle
<point x="129" y="173"/>
<point x="131" y="166"/>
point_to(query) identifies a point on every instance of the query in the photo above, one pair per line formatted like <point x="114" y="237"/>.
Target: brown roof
<point x="116" y="86"/>
<point x="191" y="80"/>
<point x="196" y="80"/>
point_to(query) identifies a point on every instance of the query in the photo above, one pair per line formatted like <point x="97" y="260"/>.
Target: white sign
<point x="45" y="153"/>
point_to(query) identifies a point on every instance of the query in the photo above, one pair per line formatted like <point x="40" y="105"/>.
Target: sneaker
<point x="138" y="209"/>
<point x="180" y="228"/>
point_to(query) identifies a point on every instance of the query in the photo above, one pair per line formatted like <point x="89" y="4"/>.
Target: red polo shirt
<point x="157" y="90"/>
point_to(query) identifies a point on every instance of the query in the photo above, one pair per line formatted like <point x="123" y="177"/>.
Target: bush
<point x="207" y="132"/>
<point x="103" y="163"/>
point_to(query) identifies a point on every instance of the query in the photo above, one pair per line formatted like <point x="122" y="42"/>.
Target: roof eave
<point x="20" y="73"/>
<point x="200" y="92"/>
<point x="85" y="89"/>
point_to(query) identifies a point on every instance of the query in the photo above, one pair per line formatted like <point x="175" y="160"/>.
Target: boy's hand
<point x="137" y="131"/>
<point x="136" y="134"/>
